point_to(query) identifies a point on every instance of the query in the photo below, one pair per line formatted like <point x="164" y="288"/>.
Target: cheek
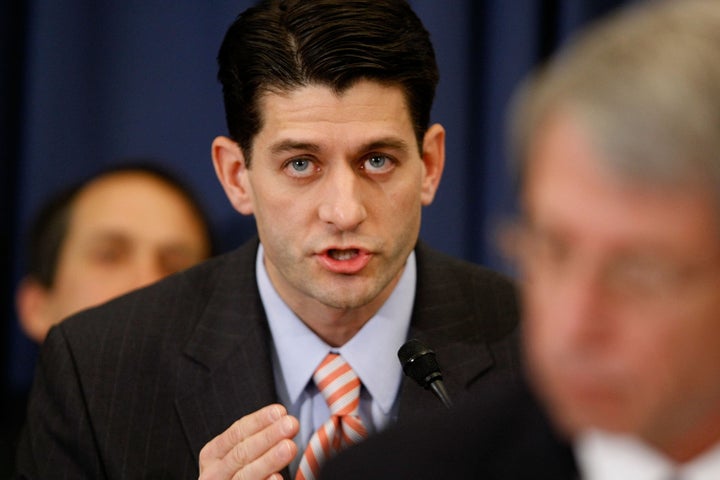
<point x="407" y="190"/>
<point x="278" y="205"/>
<point x="665" y="357"/>
<point x="688" y="349"/>
<point x="276" y="213"/>
<point x="647" y="358"/>
<point x="400" y="206"/>
<point x="541" y="350"/>
<point x="538" y="324"/>
<point x="77" y="293"/>
<point x="86" y="286"/>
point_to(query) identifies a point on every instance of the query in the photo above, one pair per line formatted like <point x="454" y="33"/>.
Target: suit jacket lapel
<point x="227" y="371"/>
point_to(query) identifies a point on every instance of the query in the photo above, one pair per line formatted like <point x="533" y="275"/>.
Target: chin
<point x="343" y="300"/>
<point x="576" y="413"/>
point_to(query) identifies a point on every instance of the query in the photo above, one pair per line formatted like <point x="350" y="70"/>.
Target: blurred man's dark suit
<point x="136" y="387"/>
<point x="501" y="436"/>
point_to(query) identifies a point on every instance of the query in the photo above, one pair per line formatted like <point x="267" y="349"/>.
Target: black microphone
<point x="419" y="363"/>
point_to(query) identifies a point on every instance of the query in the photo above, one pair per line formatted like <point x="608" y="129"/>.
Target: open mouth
<point x="348" y="261"/>
<point x="343" y="255"/>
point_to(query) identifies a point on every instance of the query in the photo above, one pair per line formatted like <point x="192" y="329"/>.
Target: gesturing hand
<point x="256" y="447"/>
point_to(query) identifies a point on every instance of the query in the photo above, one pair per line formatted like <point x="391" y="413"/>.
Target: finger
<point x="258" y="455"/>
<point x="270" y="463"/>
<point x="248" y="425"/>
<point x="264" y="452"/>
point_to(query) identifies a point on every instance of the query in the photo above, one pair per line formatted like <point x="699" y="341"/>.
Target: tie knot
<point x="339" y="385"/>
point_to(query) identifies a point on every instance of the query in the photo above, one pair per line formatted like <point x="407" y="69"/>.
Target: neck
<point x="338" y="325"/>
<point x="686" y="448"/>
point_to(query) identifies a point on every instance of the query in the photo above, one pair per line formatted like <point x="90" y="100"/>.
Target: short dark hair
<point x="49" y="227"/>
<point x="280" y="45"/>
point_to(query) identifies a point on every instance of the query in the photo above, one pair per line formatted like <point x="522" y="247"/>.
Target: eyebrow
<point x="108" y="236"/>
<point x="292" y="145"/>
<point x="114" y="238"/>
<point x="393" y="143"/>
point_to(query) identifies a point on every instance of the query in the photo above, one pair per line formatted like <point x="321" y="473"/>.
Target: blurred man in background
<point x="620" y="243"/>
<point x="120" y="230"/>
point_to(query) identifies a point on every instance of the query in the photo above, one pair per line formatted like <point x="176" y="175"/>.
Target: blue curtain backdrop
<point x="84" y="83"/>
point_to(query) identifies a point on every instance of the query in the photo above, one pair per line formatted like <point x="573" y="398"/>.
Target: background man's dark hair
<point x="49" y="227"/>
<point x="273" y="47"/>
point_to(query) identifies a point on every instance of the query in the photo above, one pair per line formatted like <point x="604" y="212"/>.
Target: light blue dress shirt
<point x="372" y="354"/>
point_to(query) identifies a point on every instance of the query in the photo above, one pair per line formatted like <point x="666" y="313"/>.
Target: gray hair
<point x="645" y="85"/>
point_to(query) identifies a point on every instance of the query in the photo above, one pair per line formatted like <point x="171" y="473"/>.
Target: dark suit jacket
<point x="135" y="388"/>
<point x="501" y="436"/>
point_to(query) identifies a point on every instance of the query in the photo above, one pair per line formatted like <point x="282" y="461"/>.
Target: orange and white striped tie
<point x="341" y="388"/>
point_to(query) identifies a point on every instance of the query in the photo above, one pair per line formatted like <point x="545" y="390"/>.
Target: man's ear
<point x="32" y="305"/>
<point x="230" y="168"/>
<point x="433" y="157"/>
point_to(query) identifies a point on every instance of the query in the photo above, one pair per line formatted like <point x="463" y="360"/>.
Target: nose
<point x="147" y="270"/>
<point x="580" y="309"/>
<point x="342" y="203"/>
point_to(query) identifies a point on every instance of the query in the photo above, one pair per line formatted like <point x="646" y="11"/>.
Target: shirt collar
<point x="607" y="456"/>
<point x="602" y="455"/>
<point x="705" y="467"/>
<point x="372" y="352"/>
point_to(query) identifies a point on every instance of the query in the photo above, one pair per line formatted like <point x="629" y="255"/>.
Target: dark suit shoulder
<point x="489" y="295"/>
<point x="441" y="268"/>
<point x="115" y="382"/>
<point x="170" y="307"/>
<point x="503" y="435"/>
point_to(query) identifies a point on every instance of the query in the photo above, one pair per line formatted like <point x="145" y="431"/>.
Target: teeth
<point x="343" y="254"/>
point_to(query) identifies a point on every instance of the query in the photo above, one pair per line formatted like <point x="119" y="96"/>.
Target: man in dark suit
<point x="120" y="229"/>
<point x="213" y="371"/>
<point x="619" y="251"/>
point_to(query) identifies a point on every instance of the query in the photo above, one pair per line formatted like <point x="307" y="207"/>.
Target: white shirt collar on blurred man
<point x="606" y="456"/>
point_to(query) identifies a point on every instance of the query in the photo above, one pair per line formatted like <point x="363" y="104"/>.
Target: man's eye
<point x="299" y="167"/>
<point x="643" y="276"/>
<point x="106" y="256"/>
<point x="378" y="164"/>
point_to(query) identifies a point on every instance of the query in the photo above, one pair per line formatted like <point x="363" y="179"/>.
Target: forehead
<point x="364" y="106"/>
<point x="131" y="201"/>
<point x="567" y="185"/>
